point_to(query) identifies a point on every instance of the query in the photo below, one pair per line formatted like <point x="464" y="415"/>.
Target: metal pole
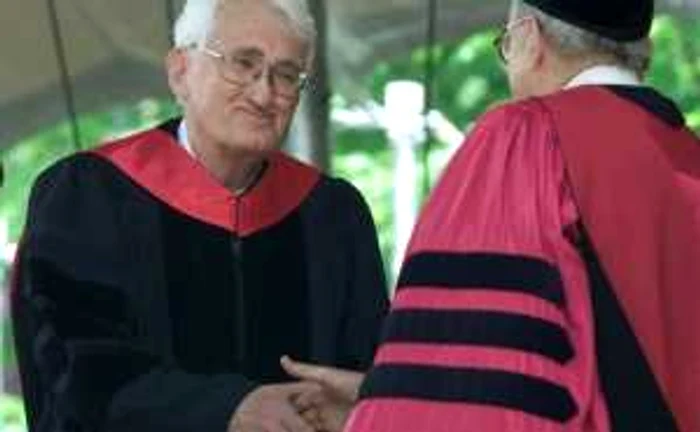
<point x="66" y="85"/>
<point x="315" y="136"/>
<point x="170" y="19"/>
<point x="428" y="84"/>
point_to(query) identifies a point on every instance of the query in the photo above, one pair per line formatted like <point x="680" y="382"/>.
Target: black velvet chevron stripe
<point x="474" y="386"/>
<point x="484" y="271"/>
<point x="634" y="398"/>
<point x="492" y="329"/>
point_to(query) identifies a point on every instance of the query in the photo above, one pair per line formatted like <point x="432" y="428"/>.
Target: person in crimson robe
<point x="552" y="281"/>
<point x="161" y="276"/>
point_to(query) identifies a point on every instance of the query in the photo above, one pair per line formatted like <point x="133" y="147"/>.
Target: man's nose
<point x="261" y="88"/>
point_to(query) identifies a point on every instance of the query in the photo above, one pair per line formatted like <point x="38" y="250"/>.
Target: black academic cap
<point x="620" y="20"/>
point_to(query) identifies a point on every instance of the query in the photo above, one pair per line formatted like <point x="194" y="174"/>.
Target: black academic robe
<point x="149" y="298"/>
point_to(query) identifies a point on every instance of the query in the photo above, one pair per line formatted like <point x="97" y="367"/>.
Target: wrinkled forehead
<point x="230" y="15"/>
<point x="257" y="23"/>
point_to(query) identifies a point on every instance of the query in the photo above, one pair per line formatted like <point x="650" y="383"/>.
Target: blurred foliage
<point x="24" y="161"/>
<point x="468" y="81"/>
<point x="675" y="68"/>
<point x="11" y="414"/>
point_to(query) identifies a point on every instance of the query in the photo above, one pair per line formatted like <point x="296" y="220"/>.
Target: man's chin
<point x="519" y="95"/>
<point x="254" y="143"/>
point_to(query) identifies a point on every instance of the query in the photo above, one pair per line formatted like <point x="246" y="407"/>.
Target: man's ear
<point x="543" y="45"/>
<point x="535" y="45"/>
<point x="176" y="65"/>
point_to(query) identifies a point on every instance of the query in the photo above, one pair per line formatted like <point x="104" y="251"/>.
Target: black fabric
<point x="125" y="311"/>
<point x="653" y="102"/>
<point x="171" y="126"/>
<point x="266" y="310"/>
<point x="634" y="399"/>
<point x="484" y="271"/>
<point x="474" y="386"/>
<point x="493" y="329"/>
<point x="620" y="20"/>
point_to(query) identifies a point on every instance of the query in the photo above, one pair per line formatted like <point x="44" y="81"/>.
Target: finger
<point x="343" y="382"/>
<point x="307" y="371"/>
<point x="293" y="421"/>
<point x="292" y="391"/>
<point x="305" y="401"/>
<point x="312" y="417"/>
<point x="271" y="427"/>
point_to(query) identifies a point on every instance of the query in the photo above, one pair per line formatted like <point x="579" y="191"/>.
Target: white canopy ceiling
<point x="113" y="50"/>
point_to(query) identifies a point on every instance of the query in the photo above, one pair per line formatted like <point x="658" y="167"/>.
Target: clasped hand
<point x="320" y="402"/>
<point x="327" y="409"/>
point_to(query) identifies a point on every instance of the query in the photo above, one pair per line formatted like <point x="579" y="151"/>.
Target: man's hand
<point x="332" y="406"/>
<point x="271" y="408"/>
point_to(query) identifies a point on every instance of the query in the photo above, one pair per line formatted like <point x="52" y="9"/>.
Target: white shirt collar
<point x="183" y="139"/>
<point x="604" y="75"/>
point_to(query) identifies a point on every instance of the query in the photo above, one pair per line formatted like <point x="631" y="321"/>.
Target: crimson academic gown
<point x="149" y="298"/>
<point x="552" y="281"/>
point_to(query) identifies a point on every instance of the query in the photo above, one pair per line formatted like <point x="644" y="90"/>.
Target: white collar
<point x="183" y="139"/>
<point x="604" y="75"/>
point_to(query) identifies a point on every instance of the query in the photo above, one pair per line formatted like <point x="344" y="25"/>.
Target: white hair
<point x="571" y="40"/>
<point x="196" y="21"/>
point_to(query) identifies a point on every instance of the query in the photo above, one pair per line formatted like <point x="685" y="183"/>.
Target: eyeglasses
<point x="245" y="66"/>
<point x="502" y="42"/>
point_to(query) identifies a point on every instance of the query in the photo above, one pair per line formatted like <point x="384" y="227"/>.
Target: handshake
<point x="320" y="402"/>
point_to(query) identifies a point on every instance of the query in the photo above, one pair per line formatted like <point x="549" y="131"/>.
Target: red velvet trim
<point x="155" y="161"/>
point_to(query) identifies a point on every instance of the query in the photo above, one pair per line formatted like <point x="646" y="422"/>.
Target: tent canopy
<point x="112" y="51"/>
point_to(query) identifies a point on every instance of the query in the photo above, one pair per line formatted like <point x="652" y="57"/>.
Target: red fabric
<point x="447" y="299"/>
<point x="442" y="417"/>
<point x="456" y="356"/>
<point x="504" y="192"/>
<point x="155" y="161"/>
<point x="645" y="229"/>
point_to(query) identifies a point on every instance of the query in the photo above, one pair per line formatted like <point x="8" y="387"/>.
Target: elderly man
<point x="551" y="283"/>
<point x="162" y="276"/>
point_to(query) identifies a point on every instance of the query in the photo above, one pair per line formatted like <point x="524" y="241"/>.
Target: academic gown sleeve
<point x="86" y="366"/>
<point x="366" y="301"/>
<point x="491" y="327"/>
